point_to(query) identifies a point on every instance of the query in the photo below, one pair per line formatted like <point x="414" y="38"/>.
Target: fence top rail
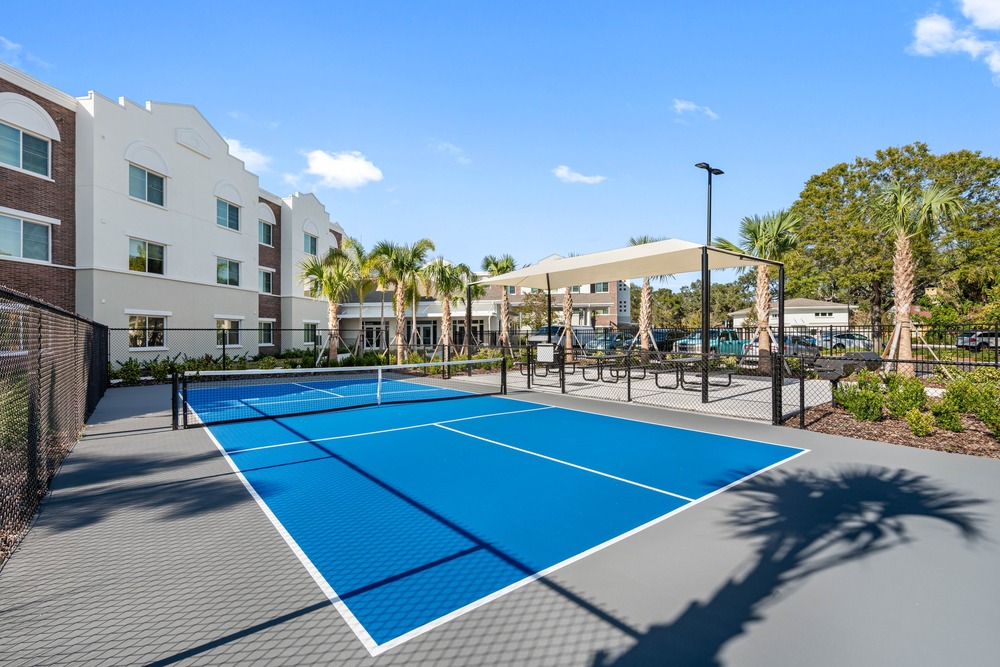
<point x="342" y="369"/>
<point x="36" y="303"/>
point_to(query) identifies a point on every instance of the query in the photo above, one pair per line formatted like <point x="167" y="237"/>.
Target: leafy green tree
<point x="905" y="214"/>
<point x="534" y="310"/>
<point x="773" y="237"/>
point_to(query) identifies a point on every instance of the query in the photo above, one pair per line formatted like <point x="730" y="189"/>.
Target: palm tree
<point x="496" y="266"/>
<point x="646" y="300"/>
<point x="332" y="278"/>
<point x="772" y="237"/>
<point x="365" y="267"/>
<point x="905" y="214"/>
<point x="446" y="281"/>
<point x="401" y="269"/>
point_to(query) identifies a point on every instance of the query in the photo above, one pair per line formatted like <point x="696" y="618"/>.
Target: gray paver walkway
<point x="149" y="551"/>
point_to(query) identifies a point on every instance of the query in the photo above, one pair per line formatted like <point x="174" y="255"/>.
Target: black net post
<point x="503" y="376"/>
<point x="528" y="364"/>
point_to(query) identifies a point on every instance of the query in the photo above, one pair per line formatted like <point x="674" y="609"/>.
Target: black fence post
<point x="528" y="363"/>
<point x="562" y="371"/>
<point x="802" y="392"/>
<point x="175" y="387"/>
<point x="628" y="376"/>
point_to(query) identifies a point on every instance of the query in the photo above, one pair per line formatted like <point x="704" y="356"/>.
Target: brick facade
<point x="54" y="199"/>
<point x="269" y="305"/>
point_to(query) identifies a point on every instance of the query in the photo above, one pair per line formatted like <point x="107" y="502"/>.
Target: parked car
<point x="839" y="341"/>
<point x="582" y="334"/>
<point x="666" y="338"/>
<point x="978" y="340"/>
<point x="723" y="341"/>
<point x="796" y="346"/>
<point x="608" y="341"/>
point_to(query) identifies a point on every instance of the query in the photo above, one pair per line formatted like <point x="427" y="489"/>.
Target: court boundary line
<point x="325" y="391"/>
<point x="472" y="606"/>
<point x="374" y="648"/>
<point x="568" y="463"/>
<point x="331" y="595"/>
<point x="644" y="406"/>
<point x="382" y="431"/>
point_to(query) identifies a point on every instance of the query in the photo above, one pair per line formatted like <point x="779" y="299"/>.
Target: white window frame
<point x="20" y="153"/>
<point x="261" y="272"/>
<point x="146" y="270"/>
<point x="306" y="243"/>
<point x="229" y="205"/>
<point x="310" y="326"/>
<point x="260" y="227"/>
<point x="145" y="180"/>
<point x="234" y="326"/>
<point x="23" y="219"/>
<point x="239" y="271"/>
<point x="270" y="332"/>
<point x="606" y="288"/>
<point x="146" y="329"/>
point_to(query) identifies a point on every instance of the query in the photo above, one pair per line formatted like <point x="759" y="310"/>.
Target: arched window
<point x="26" y="133"/>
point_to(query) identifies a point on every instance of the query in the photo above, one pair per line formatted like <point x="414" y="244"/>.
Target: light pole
<point x="711" y="172"/>
<point x="706" y="301"/>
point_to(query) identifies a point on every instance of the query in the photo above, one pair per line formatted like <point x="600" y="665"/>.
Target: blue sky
<point x="537" y="127"/>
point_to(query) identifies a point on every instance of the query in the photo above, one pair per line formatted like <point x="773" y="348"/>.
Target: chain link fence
<point x="53" y="371"/>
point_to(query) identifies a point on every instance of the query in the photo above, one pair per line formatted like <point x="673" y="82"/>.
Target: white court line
<point x="325" y="391"/>
<point x="373" y="647"/>
<point x="567" y="463"/>
<point x="387" y="430"/>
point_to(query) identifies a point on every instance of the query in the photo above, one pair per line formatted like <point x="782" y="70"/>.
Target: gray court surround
<point x="150" y="551"/>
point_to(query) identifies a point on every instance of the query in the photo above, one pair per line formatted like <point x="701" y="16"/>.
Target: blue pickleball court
<point x="408" y="515"/>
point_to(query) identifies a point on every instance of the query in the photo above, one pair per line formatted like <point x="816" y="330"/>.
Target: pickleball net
<point x="213" y="397"/>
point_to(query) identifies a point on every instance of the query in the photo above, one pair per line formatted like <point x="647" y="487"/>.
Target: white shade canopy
<point x="640" y="261"/>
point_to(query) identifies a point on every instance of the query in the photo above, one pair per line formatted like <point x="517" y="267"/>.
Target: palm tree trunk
<point x="399" y="301"/>
<point x="568" y="323"/>
<point x="505" y="322"/>
<point x="902" y="285"/>
<point x="446" y="325"/>
<point x="381" y="323"/>
<point x="414" y="337"/>
<point x="645" y="318"/>
<point x="763" y="318"/>
<point x="333" y="335"/>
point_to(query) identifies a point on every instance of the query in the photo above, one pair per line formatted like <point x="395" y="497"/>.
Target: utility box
<point x="546" y="353"/>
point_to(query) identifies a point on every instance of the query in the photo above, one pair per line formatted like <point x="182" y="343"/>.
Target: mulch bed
<point x="975" y="440"/>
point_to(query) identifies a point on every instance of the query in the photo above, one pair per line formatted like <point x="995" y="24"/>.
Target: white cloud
<point x="344" y="170"/>
<point x="452" y="150"/>
<point x="984" y="14"/>
<point x="11" y="54"/>
<point x="255" y="161"/>
<point x="936" y="34"/>
<point x="567" y="175"/>
<point x="685" y="106"/>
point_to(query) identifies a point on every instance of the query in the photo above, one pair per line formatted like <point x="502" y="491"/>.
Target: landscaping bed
<point x="976" y="440"/>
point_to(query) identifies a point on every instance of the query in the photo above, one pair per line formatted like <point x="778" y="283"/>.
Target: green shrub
<point x="129" y="371"/>
<point x="904" y="394"/>
<point x="160" y="369"/>
<point x="868" y="381"/>
<point x="921" y="423"/>
<point x="947" y="415"/>
<point x="267" y="363"/>
<point x="988" y="409"/>
<point x="863" y="404"/>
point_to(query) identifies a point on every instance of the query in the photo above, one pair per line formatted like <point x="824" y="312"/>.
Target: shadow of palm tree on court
<point x="805" y="523"/>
